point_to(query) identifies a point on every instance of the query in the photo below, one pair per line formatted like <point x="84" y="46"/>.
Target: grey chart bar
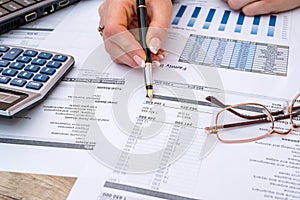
<point x="143" y="191"/>
<point x="182" y="100"/>
<point x="44" y="143"/>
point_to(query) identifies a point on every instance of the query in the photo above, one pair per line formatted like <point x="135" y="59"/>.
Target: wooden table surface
<point x="21" y="186"/>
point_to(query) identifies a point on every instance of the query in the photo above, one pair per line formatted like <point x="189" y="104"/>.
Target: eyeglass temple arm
<point x="214" y="129"/>
<point x="217" y="102"/>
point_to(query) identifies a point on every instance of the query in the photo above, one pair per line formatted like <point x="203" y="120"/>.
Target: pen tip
<point x="150" y="94"/>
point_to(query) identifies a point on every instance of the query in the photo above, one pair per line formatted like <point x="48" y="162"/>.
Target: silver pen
<point x="143" y="27"/>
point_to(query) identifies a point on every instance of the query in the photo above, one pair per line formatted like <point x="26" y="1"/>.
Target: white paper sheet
<point x="101" y="113"/>
<point x="122" y="167"/>
<point x="246" y="51"/>
<point x="41" y="140"/>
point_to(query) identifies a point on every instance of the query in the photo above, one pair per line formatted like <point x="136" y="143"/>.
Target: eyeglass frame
<point x="270" y="117"/>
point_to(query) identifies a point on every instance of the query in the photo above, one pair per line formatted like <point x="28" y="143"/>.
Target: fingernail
<point x="154" y="45"/>
<point x="155" y="63"/>
<point x="139" y="61"/>
<point x="161" y="56"/>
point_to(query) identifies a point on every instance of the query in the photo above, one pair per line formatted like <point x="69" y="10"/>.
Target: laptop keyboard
<point x="9" y="6"/>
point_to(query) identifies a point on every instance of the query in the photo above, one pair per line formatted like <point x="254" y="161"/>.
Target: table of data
<point x="236" y="54"/>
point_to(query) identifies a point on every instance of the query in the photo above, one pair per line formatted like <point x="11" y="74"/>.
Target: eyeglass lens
<point x="295" y="116"/>
<point x="239" y="129"/>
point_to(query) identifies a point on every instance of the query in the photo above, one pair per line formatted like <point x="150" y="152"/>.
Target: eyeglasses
<point x="232" y="123"/>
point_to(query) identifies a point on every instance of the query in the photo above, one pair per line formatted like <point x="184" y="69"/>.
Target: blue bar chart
<point x="236" y="55"/>
<point x="179" y="15"/>
<point x="239" y="23"/>
<point x="255" y="25"/>
<point x="272" y="24"/>
<point x="224" y="20"/>
<point x="194" y="17"/>
<point x="209" y="18"/>
<point x="221" y="20"/>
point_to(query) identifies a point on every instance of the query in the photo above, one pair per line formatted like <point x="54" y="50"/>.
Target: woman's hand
<point x="259" y="7"/>
<point x="120" y="33"/>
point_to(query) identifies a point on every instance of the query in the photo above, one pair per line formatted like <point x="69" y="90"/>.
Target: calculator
<point x="28" y="75"/>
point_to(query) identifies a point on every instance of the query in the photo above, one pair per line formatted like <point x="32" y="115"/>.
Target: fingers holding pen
<point x="121" y="52"/>
<point x="120" y="34"/>
<point x="120" y="44"/>
<point x="124" y="48"/>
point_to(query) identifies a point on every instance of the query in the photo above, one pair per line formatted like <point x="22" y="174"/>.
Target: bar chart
<point x="209" y="18"/>
<point x="239" y="23"/>
<point x="194" y="17"/>
<point x="204" y="17"/>
<point x="224" y="20"/>
<point x="272" y="24"/>
<point x="239" y="55"/>
<point x="255" y="25"/>
<point x="179" y="15"/>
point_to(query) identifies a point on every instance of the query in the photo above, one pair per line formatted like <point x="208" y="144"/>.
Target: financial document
<point x="41" y="140"/>
<point x="99" y="119"/>
<point x="240" y="46"/>
<point x="159" y="150"/>
<point x="250" y="42"/>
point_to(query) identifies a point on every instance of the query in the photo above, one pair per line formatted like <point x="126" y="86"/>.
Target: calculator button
<point x="30" y="53"/>
<point x="34" y="85"/>
<point x="18" y="82"/>
<point x="53" y="64"/>
<point x="4" y="79"/>
<point x="24" y="59"/>
<point x="16" y="65"/>
<point x="45" y="55"/>
<point x="41" y="78"/>
<point x="48" y="71"/>
<point x="12" y="54"/>
<point x="32" y="68"/>
<point x="38" y="61"/>
<point x="9" y="72"/>
<point x="60" y="58"/>
<point x="25" y="75"/>
<point x="4" y="63"/>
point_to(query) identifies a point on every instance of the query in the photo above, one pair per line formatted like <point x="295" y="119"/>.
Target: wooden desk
<point x="20" y="186"/>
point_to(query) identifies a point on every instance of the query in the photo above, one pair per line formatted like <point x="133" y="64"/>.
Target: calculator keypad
<point x="29" y="69"/>
<point x="28" y="75"/>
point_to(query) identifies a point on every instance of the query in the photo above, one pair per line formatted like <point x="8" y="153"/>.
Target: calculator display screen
<point x="9" y="98"/>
